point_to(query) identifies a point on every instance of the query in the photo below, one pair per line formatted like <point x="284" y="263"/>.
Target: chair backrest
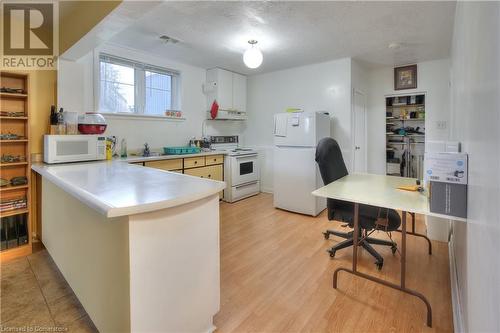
<point x="330" y="161"/>
<point x="332" y="167"/>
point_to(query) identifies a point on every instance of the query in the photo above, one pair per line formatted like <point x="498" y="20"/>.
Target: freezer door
<point x="295" y="129"/>
<point x="296" y="175"/>
<point x="302" y="129"/>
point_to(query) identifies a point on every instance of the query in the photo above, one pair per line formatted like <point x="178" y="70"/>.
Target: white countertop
<point x="117" y="188"/>
<point x="136" y="159"/>
<point x="380" y="191"/>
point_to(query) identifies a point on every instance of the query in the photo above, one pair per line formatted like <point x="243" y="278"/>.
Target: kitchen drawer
<point x="214" y="159"/>
<point x="194" y="162"/>
<point x="166" y="164"/>
<point x="211" y="172"/>
<point x="242" y="191"/>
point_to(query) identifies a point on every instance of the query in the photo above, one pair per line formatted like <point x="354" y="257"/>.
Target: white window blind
<point x="133" y="87"/>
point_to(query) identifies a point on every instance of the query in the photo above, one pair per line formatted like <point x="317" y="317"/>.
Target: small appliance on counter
<point x="91" y="123"/>
<point x="241" y="168"/>
<point x="73" y="148"/>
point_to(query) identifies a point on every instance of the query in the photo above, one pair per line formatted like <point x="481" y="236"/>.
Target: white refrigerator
<point x="296" y="173"/>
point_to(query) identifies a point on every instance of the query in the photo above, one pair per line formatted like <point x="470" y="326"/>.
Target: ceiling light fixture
<point x="252" y="56"/>
<point x="394" y="46"/>
<point x="167" y="39"/>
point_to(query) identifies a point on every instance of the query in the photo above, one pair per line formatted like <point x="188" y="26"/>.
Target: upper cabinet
<point x="239" y="92"/>
<point x="227" y="88"/>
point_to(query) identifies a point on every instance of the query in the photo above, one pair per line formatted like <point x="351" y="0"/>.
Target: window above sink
<point x="131" y="88"/>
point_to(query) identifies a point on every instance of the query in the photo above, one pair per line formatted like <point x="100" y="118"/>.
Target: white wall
<point x="433" y="79"/>
<point x="318" y="87"/>
<point x="76" y="93"/>
<point x="359" y="77"/>
<point x="475" y="121"/>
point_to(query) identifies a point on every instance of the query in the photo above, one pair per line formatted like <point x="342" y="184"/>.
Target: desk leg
<point x="402" y="286"/>
<point x="414" y="233"/>
<point x="355" y="238"/>
<point x="403" y="250"/>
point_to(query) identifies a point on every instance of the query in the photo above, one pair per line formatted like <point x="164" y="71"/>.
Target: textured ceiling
<point x="294" y="33"/>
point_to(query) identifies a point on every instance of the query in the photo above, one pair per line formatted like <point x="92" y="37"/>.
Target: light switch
<point x="441" y="124"/>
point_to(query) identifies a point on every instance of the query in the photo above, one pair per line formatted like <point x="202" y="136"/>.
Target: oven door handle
<point x="243" y="157"/>
<point x="245" y="185"/>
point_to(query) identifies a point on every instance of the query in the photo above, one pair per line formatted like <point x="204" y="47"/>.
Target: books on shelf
<point x="13" y="204"/>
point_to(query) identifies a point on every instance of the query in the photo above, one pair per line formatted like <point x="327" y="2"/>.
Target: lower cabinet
<point x="212" y="172"/>
<point x="211" y="167"/>
<point x="169" y="165"/>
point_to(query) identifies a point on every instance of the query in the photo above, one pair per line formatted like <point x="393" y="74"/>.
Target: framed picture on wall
<point x="405" y="77"/>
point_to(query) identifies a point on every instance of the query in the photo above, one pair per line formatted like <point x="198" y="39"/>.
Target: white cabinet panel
<point x="225" y="89"/>
<point x="239" y="92"/>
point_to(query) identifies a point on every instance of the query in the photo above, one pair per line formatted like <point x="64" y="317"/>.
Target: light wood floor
<point x="277" y="277"/>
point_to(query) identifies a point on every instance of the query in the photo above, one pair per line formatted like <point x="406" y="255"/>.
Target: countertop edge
<point x="111" y="211"/>
<point x="153" y="207"/>
<point x="78" y="193"/>
<point x="139" y="159"/>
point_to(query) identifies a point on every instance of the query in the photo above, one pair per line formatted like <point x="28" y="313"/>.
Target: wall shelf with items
<point x="405" y="135"/>
<point x="15" y="215"/>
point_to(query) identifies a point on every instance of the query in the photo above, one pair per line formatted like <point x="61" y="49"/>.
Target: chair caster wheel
<point x="379" y="265"/>
<point x="326" y="234"/>
<point x="332" y="253"/>
<point x="394" y="248"/>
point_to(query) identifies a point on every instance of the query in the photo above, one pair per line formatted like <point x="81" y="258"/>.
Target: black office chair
<point x="332" y="167"/>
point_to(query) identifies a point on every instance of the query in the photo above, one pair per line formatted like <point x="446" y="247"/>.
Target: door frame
<point x="353" y="129"/>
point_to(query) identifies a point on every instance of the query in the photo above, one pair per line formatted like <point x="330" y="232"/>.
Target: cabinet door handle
<point x="195" y="162"/>
<point x="209" y="176"/>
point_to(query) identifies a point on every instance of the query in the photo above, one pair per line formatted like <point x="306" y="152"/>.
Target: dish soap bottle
<point x="123" y="148"/>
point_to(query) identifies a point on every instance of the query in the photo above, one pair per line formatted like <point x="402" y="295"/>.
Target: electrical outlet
<point x="441" y="124"/>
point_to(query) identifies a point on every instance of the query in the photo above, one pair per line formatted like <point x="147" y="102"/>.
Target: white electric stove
<point x="241" y="168"/>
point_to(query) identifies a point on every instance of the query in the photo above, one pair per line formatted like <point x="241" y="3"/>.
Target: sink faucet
<point x="146" y="152"/>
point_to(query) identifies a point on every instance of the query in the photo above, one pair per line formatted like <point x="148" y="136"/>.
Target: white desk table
<point x="381" y="191"/>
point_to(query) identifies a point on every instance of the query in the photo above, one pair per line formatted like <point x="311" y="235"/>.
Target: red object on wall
<point x="214" y="110"/>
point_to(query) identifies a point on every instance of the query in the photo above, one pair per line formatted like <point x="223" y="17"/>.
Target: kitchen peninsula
<point x="138" y="246"/>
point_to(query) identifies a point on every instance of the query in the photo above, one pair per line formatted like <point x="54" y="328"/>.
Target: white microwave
<point x="73" y="148"/>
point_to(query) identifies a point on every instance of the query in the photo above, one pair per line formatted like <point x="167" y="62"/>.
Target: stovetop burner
<point x="242" y="149"/>
<point x="229" y="144"/>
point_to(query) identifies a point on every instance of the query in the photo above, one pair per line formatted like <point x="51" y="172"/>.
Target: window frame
<point x="140" y="69"/>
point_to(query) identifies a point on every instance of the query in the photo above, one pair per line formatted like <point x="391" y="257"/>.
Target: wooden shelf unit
<point x="19" y="103"/>
<point x="13" y="141"/>
<point x="13" y="118"/>
<point x="12" y="164"/>
<point x="13" y="95"/>
<point x="12" y="188"/>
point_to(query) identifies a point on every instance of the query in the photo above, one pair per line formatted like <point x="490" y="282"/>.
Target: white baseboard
<point x="458" y="320"/>
<point x="266" y="190"/>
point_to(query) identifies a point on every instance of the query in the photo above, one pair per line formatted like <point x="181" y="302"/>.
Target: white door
<point x="239" y="92"/>
<point x="359" y="130"/>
